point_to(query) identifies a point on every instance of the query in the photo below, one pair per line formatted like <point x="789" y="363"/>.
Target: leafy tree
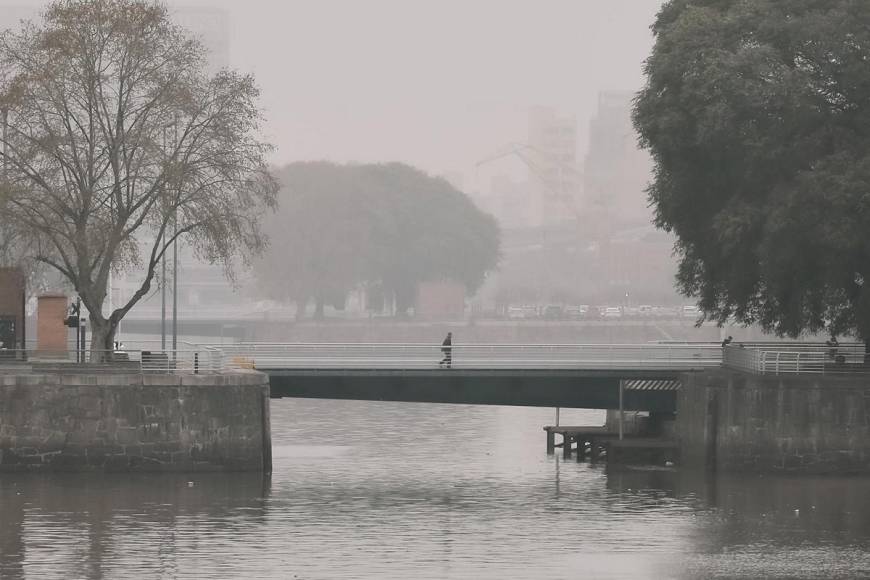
<point x="426" y="230"/>
<point x="321" y="233"/>
<point x="116" y="140"/>
<point x="757" y="115"/>
<point x="390" y="226"/>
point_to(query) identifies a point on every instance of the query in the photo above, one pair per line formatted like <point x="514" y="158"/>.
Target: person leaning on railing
<point x="833" y="345"/>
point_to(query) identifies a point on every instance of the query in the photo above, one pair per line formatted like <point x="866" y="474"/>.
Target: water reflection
<point x="97" y="526"/>
<point x="394" y="490"/>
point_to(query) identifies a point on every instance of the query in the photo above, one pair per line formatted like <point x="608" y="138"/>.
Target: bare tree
<point x="118" y="143"/>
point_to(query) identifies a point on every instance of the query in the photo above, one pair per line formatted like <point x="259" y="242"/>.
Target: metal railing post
<point x="621" y="408"/>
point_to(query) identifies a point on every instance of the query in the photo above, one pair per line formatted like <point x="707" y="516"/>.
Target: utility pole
<point x="175" y="258"/>
<point x="163" y="265"/>
<point x="175" y="290"/>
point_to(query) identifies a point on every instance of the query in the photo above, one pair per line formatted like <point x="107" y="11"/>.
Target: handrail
<point x="473" y="356"/>
<point x="200" y="360"/>
<point x="797" y="358"/>
<point x="761" y="358"/>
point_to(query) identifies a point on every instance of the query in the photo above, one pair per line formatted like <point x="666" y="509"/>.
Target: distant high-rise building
<point x="211" y="27"/>
<point x="555" y="178"/>
<point x="510" y="202"/>
<point x="616" y="170"/>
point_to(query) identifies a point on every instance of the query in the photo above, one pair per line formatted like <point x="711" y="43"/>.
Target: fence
<point x="763" y="358"/>
<point x="682" y="356"/>
<point x="200" y="360"/>
<point x="796" y="358"/>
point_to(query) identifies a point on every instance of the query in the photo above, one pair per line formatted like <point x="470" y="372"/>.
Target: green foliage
<point x="389" y="225"/>
<point x="757" y="114"/>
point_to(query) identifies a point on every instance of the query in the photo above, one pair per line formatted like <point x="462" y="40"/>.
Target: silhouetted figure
<point x="447" y="349"/>
<point x="727" y="341"/>
<point x="833" y="345"/>
<point x="833" y="352"/>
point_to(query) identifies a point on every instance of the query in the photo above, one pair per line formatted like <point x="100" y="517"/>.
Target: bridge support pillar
<point x="551" y="442"/>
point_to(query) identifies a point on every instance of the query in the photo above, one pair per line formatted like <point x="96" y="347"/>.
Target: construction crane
<point x="521" y="150"/>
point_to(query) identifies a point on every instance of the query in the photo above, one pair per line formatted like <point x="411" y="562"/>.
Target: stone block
<point x="147" y="423"/>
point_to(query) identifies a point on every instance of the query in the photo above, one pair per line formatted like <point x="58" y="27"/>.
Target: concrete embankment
<point x="134" y="422"/>
<point x="741" y="422"/>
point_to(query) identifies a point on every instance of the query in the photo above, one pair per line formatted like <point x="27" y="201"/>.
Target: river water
<point x="398" y="490"/>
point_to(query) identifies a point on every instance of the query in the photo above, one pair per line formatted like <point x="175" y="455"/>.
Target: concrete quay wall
<point x="733" y="421"/>
<point x="133" y="422"/>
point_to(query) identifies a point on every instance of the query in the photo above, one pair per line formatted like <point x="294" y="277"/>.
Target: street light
<point x="174" y="125"/>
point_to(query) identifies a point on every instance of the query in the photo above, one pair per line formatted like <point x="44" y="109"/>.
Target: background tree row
<point x="388" y="227"/>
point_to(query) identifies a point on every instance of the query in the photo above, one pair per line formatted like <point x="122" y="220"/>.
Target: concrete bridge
<point x="555" y="375"/>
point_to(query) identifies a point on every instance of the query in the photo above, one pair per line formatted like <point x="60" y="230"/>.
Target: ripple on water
<point x="391" y="490"/>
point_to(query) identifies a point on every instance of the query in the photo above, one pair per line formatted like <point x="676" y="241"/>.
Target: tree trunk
<point x="102" y="338"/>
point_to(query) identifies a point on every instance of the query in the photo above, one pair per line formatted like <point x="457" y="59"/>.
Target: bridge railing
<point x="471" y="356"/>
<point x="796" y="358"/>
<point x="188" y="360"/>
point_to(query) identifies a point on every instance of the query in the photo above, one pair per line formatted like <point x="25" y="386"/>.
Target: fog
<point x="467" y="91"/>
<point x="438" y="85"/>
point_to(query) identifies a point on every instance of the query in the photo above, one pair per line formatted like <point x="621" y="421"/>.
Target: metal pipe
<point x="163" y="303"/>
<point x="621" y="408"/>
<point x="175" y="290"/>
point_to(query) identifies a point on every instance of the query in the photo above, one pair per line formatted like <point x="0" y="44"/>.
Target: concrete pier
<point x="134" y="422"/>
<point x="733" y="421"/>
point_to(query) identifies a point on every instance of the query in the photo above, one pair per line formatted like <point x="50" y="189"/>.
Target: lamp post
<point x="163" y="266"/>
<point x="175" y="288"/>
<point x="174" y="125"/>
<point x="175" y="257"/>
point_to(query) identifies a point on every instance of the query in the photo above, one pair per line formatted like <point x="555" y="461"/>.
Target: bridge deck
<point x="578" y="388"/>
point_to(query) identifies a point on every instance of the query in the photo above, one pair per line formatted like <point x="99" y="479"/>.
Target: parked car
<point x="576" y="312"/>
<point x="691" y="311"/>
<point x="515" y="313"/>
<point x="552" y="312"/>
<point x="612" y="312"/>
<point x="530" y="311"/>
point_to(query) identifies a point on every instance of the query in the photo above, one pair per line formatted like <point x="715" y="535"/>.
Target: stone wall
<point x="132" y="422"/>
<point x="734" y="421"/>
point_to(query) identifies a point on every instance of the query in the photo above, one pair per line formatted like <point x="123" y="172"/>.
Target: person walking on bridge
<point x="447" y="349"/>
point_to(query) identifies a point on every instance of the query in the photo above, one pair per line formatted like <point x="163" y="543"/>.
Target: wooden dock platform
<point x="597" y="442"/>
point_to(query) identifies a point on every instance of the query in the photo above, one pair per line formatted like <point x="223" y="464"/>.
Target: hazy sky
<point x="440" y="84"/>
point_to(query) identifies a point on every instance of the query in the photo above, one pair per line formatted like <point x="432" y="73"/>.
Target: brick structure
<point x="12" y="298"/>
<point x="51" y="334"/>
